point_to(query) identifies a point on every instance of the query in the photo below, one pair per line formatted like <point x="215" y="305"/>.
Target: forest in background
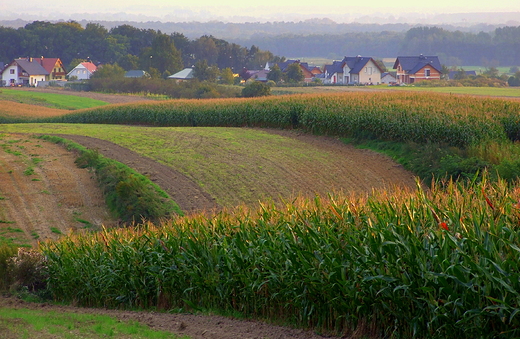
<point x="129" y="46"/>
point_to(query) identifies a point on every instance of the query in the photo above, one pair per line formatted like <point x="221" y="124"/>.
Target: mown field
<point x="434" y="263"/>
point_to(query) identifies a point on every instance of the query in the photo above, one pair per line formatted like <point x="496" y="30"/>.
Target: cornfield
<point x="438" y="263"/>
<point x="418" y="117"/>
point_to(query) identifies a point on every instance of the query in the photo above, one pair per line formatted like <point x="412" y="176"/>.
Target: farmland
<point x="431" y="263"/>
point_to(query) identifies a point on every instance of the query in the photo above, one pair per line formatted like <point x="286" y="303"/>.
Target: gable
<point x="412" y="64"/>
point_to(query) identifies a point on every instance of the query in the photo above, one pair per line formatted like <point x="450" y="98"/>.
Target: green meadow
<point x="52" y="100"/>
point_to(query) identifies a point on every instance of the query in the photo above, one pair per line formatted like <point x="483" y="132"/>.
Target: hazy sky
<point x="239" y="11"/>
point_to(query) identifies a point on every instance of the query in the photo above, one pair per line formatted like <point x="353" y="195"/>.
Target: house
<point x="411" y="69"/>
<point x="389" y="78"/>
<point x="137" y="74"/>
<point x="55" y="68"/>
<point x="333" y="74"/>
<point x="453" y="75"/>
<point x="356" y="70"/>
<point x="83" y="71"/>
<point x="184" y="75"/>
<point x="361" y="70"/>
<point x="308" y="74"/>
<point x="24" y="72"/>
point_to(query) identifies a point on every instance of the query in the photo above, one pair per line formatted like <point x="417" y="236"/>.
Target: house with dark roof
<point x="24" y="72"/>
<point x="389" y="78"/>
<point x="356" y="70"/>
<point x="411" y="69"/>
<point x="361" y="70"/>
<point x="308" y="72"/>
<point x="83" y="71"/>
<point x="137" y="73"/>
<point x="461" y="74"/>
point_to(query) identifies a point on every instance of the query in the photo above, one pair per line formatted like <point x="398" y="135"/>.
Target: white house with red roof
<point x="24" y="72"/>
<point x="83" y="71"/>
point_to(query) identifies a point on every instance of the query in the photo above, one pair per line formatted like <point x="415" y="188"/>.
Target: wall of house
<point x="80" y="72"/>
<point x="10" y="75"/>
<point x="422" y="74"/>
<point x="370" y="74"/>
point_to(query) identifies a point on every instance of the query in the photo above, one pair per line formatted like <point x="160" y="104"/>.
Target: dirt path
<point x="194" y="326"/>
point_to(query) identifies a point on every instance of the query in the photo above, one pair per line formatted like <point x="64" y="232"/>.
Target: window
<point x="427" y="72"/>
<point x="11" y="71"/>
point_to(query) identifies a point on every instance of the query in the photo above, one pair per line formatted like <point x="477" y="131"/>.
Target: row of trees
<point x="500" y="47"/>
<point x="128" y="46"/>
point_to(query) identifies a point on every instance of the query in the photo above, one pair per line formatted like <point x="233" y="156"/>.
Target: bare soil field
<point x="43" y="193"/>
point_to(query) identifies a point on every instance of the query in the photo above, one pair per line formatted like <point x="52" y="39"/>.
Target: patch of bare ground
<point x="43" y="193"/>
<point x="191" y="325"/>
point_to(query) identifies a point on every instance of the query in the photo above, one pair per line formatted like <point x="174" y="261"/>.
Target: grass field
<point x="51" y="100"/>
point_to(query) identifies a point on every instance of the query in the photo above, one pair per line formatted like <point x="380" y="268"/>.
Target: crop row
<point x="419" y="117"/>
<point x="436" y="264"/>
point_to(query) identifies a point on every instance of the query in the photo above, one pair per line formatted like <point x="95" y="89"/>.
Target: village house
<point x="55" y="68"/>
<point x="356" y="70"/>
<point x="411" y="69"/>
<point x="389" y="78"/>
<point x="308" y="72"/>
<point x="83" y="71"/>
<point x="24" y="72"/>
<point x="184" y="75"/>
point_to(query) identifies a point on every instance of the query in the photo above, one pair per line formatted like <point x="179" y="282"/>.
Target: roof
<point x="135" y="73"/>
<point x="31" y="66"/>
<point x="186" y="73"/>
<point x="48" y="63"/>
<point x="452" y="74"/>
<point x="412" y="64"/>
<point x="392" y="74"/>
<point x="336" y="67"/>
<point x="357" y="63"/>
<point x="89" y="66"/>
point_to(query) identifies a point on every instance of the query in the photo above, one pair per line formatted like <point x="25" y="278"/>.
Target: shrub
<point x="28" y="269"/>
<point x="6" y="253"/>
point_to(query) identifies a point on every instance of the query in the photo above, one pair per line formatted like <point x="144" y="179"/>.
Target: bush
<point x="6" y="253"/>
<point x="28" y="270"/>
<point x="256" y="89"/>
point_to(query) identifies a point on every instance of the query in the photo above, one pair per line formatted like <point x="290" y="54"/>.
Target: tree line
<point x="499" y="47"/>
<point x="128" y="46"/>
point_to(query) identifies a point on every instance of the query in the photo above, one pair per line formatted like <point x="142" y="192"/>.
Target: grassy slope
<point x="234" y="165"/>
<point x="62" y="101"/>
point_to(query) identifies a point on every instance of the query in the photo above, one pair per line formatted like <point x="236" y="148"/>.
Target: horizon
<point x="231" y="11"/>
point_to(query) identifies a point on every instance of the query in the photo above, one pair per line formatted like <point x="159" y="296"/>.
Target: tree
<point x="381" y="65"/>
<point x="203" y="72"/>
<point x="256" y="89"/>
<point x="129" y="62"/>
<point x="294" y="73"/>
<point x="514" y="80"/>
<point x="227" y="77"/>
<point x="275" y="74"/>
<point x="164" y="56"/>
<point x="108" y="71"/>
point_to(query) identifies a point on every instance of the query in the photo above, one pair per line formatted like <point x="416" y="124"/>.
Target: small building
<point x="137" y="73"/>
<point x="411" y="69"/>
<point x="83" y="71"/>
<point x="24" y="72"/>
<point x="452" y="75"/>
<point x="184" y="75"/>
<point x="389" y="78"/>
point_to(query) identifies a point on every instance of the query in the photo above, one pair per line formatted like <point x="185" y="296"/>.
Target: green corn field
<point x="419" y="117"/>
<point x="435" y="263"/>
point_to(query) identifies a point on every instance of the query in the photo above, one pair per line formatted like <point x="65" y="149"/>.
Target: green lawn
<point x="53" y="100"/>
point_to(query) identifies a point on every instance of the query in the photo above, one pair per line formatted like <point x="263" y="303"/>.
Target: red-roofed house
<point x="55" y="68"/>
<point x="83" y="71"/>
